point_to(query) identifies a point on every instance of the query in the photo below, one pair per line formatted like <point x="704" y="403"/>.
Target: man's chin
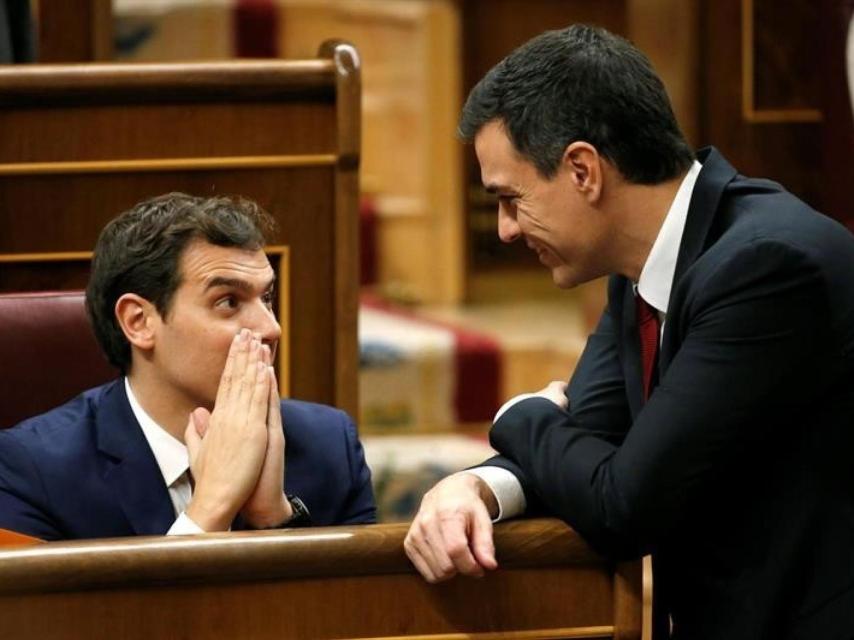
<point x="564" y="279"/>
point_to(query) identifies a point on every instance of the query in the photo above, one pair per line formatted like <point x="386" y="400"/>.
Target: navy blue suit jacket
<point x="85" y="470"/>
<point x="738" y="473"/>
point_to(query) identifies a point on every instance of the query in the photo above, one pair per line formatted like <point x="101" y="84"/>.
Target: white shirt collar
<point x="171" y="454"/>
<point x="656" y="277"/>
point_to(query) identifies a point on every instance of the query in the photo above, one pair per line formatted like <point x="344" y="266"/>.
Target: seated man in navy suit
<point x="192" y="438"/>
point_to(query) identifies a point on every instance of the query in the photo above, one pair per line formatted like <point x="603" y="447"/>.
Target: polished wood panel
<point x="79" y="31"/>
<point x="166" y="164"/>
<point x="757" y="131"/>
<point x="787" y="87"/>
<point x="345" y="582"/>
<point x="253" y="79"/>
<point x="81" y="143"/>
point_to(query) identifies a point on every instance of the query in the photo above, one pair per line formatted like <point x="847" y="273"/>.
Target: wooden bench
<point x="342" y="582"/>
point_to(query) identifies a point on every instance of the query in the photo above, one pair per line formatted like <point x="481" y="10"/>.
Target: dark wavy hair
<point x="140" y="250"/>
<point x="582" y="83"/>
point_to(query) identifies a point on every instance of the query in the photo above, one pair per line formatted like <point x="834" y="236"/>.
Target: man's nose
<point x="508" y="227"/>
<point x="266" y="326"/>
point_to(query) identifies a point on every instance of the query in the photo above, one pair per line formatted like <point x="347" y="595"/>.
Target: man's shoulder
<point x="761" y="207"/>
<point x="318" y="437"/>
<point x="57" y="428"/>
<point x="319" y="420"/>
<point x="759" y="213"/>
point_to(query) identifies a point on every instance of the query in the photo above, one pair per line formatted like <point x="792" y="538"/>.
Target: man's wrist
<point x="483" y="491"/>
<point x="209" y="518"/>
<point x="504" y="487"/>
<point x="488" y="498"/>
<point x="280" y="516"/>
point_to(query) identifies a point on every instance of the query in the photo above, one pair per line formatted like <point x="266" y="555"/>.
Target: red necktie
<point x="649" y="329"/>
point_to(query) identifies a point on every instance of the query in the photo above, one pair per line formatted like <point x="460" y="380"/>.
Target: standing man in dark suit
<point x="192" y="438"/>
<point x="710" y="420"/>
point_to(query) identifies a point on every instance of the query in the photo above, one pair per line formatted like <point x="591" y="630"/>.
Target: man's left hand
<point x="556" y="392"/>
<point x="267" y="506"/>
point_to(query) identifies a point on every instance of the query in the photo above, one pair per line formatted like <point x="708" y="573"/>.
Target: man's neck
<point x="161" y="403"/>
<point x="640" y="211"/>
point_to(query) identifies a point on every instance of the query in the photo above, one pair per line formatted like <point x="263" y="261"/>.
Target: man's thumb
<point x="201" y="418"/>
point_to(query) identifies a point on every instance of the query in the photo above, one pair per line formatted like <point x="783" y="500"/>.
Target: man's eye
<point x="268" y="299"/>
<point x="228" y="302"/>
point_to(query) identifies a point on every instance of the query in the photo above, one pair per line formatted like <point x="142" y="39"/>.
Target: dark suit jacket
<point x="737" y="472"/>
<point x="85" y="470"/>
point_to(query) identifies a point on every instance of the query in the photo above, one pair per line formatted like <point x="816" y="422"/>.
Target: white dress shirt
<point x="654" y="284"/>
<point x="174" y="462"/>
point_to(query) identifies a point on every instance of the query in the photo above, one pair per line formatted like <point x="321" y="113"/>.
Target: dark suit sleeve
<point x="23" y="501"/>
<point x="597" y="389"/>
<point x="752" y="330"/>
<point x="359" y="507"/>
<point x="597" y="397"/>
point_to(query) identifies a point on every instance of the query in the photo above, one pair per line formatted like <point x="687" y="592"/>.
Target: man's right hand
<point x="452" y="531"/>
<point x="226" y="463"/>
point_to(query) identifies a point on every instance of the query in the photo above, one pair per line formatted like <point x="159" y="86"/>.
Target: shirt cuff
<point x="506" y="488"/>
<point x="184" y="526"/>
<point x="506" y="406"/>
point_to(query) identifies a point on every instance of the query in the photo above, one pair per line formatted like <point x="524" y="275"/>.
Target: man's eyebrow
<point x="236" y="283"/>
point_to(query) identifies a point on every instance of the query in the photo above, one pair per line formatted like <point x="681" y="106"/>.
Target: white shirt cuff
<point x="506" y="488"/>
<point x="184" y="526"/>
<point x="511" y="402"/>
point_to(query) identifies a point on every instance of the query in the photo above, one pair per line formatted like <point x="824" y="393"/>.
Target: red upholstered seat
<point x="48" y="353"/>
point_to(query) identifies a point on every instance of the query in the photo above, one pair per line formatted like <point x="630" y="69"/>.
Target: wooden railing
<point x="342" y="582"/>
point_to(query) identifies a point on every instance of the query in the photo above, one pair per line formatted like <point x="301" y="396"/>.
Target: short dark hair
<point x="582" y="83"/>
<point x="140" y="250"/>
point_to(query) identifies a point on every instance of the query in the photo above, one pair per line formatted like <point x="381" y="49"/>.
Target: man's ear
<point x="583" y="164"/>
<point x="138" y="319"/>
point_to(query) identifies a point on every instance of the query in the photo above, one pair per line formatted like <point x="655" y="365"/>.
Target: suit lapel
<point x="705" y="199"/>
<point x="132" y="470"/>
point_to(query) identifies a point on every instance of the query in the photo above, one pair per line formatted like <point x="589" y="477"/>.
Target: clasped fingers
<point x="244" y="385"/>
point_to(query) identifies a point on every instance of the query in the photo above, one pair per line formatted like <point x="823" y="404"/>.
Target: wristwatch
<point x="301" y="516"/>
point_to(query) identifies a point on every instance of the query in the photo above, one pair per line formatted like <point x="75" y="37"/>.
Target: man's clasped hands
<point x="237" y="452"/>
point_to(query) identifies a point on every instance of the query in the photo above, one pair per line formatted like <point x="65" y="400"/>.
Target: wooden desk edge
<point x="260" y="555"/>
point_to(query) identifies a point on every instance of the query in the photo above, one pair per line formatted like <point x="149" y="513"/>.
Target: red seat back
<point x="48" y="353"/>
